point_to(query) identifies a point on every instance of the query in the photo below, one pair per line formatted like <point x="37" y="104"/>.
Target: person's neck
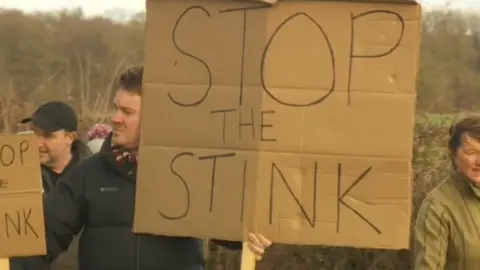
<point x="60" y="166"/>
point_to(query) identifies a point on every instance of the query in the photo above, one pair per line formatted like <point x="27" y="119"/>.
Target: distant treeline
<point x="67" y="55"/>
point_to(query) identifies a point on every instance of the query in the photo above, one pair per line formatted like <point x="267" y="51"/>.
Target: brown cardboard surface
<point x="270" y="2"/>
<point x="295" y="121"/>
<point x="22" y="229"/>
<point x="274" y="2"/>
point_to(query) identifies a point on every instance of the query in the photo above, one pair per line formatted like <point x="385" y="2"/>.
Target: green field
<point x="438" y="120"/>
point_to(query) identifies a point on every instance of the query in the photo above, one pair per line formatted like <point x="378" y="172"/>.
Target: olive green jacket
<point x="447" y="227"/>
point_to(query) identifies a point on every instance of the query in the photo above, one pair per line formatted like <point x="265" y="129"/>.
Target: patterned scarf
<point x="125" y="156"/>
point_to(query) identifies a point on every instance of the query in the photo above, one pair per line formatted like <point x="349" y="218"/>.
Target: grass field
<point x="437" y="120"/>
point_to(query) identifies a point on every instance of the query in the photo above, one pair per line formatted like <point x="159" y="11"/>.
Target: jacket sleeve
<point x="64" y="218"/>
<point x="431" y="237"/>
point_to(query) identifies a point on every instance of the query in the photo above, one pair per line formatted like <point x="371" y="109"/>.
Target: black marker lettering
<point x="202" y="99"/>
<point x="263" y="126"/>
<point x="7" y="155"/>
<point x="17" y="223"/>
<point x="339" y="191"/>
<point x="24" y="146"/>
<point x="244" y="39"/>
<point x="242" y="60"/>
<point x="10" y="222"/>
<point x="26" y="222"/>
<point x="214" y="167"/>
<point x="312" y="220"/>
<point x="269" y="44"/>
<point x="224" y="132"/>
<point x="352" y="41"/>
<point x="341" y="196"/>
<point x="244" y="35"/>
<point x="187" y="191"/>
<point x="3" y="183"/>
<point x="243" y="189"/>
<point x="241" y="124"/>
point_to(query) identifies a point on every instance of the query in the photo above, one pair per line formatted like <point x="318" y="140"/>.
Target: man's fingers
<point x="259" y="240"/>
<point x="257" y="244"/>
<point x="265" y="242"/>
<point x="256" y="250"/>
<point x="254" y="240"/>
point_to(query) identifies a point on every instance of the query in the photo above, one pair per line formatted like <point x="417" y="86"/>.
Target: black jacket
<point x="98" y="196"/>
<point x="80" y="151"/>
<point x="69" y="259"/>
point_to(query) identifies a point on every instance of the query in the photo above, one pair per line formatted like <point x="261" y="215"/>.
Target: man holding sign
<point x="98" y="196"/>
<point x="60" y="148"/>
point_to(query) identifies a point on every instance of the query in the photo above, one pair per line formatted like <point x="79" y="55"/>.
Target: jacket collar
<point x="79" y="152"/>
<point x="465" y="183"/>
<point x="128" y="171"/>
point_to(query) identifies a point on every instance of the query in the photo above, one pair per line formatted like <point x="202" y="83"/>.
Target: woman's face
<point x="467" y="158"/>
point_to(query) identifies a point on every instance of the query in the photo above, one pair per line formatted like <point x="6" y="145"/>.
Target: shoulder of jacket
<point x="91" y="161"/>
<point x="442" y="198"/>
<point x="85" y="166"/>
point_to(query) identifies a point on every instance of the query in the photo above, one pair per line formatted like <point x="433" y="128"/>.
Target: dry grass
<point x="91" y="106"/>
<point x="430" y="164"/>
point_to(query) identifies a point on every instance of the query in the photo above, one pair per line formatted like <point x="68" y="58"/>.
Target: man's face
<point x="126" y="119"/>
<point x="54" y="148"/>
<point x="467" y="159"/>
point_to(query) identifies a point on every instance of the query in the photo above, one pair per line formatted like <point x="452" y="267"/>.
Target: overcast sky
<point x="91" y="7"/>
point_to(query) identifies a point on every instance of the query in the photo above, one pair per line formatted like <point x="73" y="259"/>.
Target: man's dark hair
<point x="131" y="80"/>
<point x="466" y="126"/>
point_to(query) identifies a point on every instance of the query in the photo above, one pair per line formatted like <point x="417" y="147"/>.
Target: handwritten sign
<point x="295" y="121"/>
<point x="21" y="211"/>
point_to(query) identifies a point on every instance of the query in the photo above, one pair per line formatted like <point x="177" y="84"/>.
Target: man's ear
<point x="72" y="136"/>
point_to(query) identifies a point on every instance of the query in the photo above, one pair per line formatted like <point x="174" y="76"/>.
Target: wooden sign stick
<point x="4" y="264"/>
<point x="248" y="258"/>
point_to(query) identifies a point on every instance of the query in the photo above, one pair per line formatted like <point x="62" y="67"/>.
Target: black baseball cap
<point x="54" y="116"/>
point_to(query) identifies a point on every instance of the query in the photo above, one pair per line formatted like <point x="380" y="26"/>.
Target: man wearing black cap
<point x="55" y="124"/>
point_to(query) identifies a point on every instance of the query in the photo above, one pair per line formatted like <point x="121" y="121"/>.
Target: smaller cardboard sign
<point x="22" y="229"/>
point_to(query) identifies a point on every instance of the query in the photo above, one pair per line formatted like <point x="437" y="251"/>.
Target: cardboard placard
<point x="22" y="229"/>
<point x="295" y="121"/>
